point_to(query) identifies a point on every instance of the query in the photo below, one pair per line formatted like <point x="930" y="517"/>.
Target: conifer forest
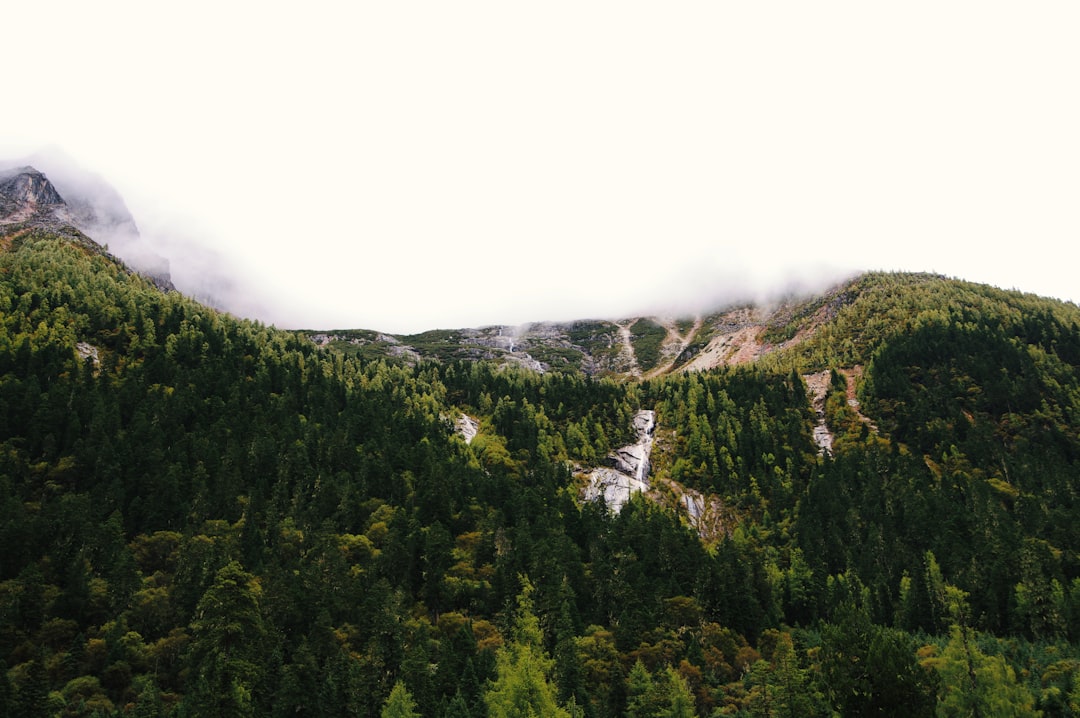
<point x="202" y="515"/>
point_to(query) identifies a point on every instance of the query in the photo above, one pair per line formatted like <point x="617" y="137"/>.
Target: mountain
<point x="862" y="502"/>
<point x="786" y="329"/>
<point x="26" y="195"/>
<point x="633" y="348"/>
<point x="71" y="198"/>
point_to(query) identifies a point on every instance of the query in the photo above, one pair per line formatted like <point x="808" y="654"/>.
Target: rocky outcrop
<point x="818" y="386"/>
<point x="614" y="487"/>
<point x="27" y="195"/>
<point x="629" y="470"/>
<point x="628" y="474"/>
<point x="88" y="351"/>
<point x="706" y="513"/>
<point x="467" y="428"/>
<point x="71" y="199"/>
<point x="633" y="460"/>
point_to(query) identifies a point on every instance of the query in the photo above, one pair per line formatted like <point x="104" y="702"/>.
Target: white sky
<point x="412" y="165"/>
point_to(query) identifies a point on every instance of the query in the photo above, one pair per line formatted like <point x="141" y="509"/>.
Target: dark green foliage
<point x="872" y="670"/>
<point x="646" y="336"/>
<point x="229" y="645"/>
<point x="202" y="515"/>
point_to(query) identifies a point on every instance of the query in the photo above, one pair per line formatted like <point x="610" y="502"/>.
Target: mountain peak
<point x="81" y="201"/>
<point x="27" y="195"/>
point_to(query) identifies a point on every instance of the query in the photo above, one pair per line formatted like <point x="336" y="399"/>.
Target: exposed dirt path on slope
<point x="739" y="347"/>
<point x="852" y="375"/>
<point x="632" y="367"/>
<point x="676" y="339"/>
<point x="818" y="386"/>
<point x="6" y="240"/>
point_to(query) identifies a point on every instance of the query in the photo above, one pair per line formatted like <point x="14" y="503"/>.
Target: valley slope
<point x="205" y="515"/>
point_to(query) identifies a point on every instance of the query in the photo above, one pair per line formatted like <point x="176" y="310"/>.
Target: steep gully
<point x="629" y="473"/>
<point x="628" y="469"/>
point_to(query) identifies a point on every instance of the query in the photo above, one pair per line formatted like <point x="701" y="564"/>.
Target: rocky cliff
<point x="27" y="196"/>
<point x="629" y="470"/>
<point x="81" y="202"/>
<point x="636" y="347"/>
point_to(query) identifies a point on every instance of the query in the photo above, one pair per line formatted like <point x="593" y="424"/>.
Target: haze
<point x="407" y="166"/>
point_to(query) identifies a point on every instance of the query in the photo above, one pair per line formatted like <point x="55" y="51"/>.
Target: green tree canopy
<point x="228" y="645"/>
<point x="399" y="704"/>
<point x="523" y="687"/>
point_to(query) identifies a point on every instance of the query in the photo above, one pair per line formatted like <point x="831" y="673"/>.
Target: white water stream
<point x="631" y="467"/>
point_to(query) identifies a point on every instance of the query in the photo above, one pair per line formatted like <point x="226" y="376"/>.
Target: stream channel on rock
<point x="630" y="467"/>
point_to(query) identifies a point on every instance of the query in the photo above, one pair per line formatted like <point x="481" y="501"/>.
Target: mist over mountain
<point x="569" y="360"/>
<point x="50" y="190"/>
<point x="166" y="246"/>
<point x="841" y="501"/>
<point x="163" y="248"/>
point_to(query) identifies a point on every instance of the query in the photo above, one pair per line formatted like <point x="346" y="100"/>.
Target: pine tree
<point x="399" y="704"/>
<point x="680" y="701"/>
<point x="522" y="687"/>
<point x="457" y="707"/>
<point x="149" y="703"/>
<point x="978" y="685"/>
<point x="32" y="698"/>
<point x="227" y="649"/>
<point x="642" y="698"/>
<point x="7" y="695"/>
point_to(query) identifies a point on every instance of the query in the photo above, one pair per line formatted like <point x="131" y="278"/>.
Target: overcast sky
<point x="412" y="165"/>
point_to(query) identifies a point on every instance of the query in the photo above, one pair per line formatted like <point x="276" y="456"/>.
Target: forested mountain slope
<point x="206" y="516"/>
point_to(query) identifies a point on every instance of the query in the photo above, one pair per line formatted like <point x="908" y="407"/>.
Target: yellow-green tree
<point x="400" y="703"/>
<point x="523" y="687"/>
<point x="975" y="684"/>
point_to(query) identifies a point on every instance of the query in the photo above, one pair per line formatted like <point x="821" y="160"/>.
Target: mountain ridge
<point x="198" y="509"/>
<point x="87" y="205"/>
<point x="650" y="346"/>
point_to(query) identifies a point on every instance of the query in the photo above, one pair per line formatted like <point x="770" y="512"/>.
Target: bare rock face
<point x="467" y="427"/>
<point x="82" y="201"/>
<point x="614" y="487"/>
<point x="818" y="387"/>
<point x="630" y="467"/>
<point x="27" y="195"/>
<point x="634" y="459"/>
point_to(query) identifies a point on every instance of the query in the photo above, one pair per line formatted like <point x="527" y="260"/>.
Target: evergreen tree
<point x="522" y="687"/>
<point x="399" y="704"/>
<point x="228" y="645"/>
<point x="680" y="701"/>
<point x="643" y="700"/>
<point x="870" y="669"/>
<point x="149" y="703"/>
<point x="7" y="695"/>
<point x="569" y="673"/>
<point x="779" y="686"/>
<point x="33" y="695"/>
<point x="457" y="707"/>
<point x="975" y="684"/>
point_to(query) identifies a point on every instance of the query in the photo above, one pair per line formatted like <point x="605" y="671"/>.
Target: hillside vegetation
<point x="207" y="516"/>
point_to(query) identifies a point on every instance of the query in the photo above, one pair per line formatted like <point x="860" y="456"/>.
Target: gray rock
<point x="613" y="487"/>
<point x="467" y="427"/>
<point x="629" y="471"/>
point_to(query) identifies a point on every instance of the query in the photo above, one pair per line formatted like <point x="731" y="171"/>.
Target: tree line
<point x="209" y="516"/>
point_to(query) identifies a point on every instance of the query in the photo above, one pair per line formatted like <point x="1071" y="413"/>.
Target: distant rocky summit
<point x="87" y="205"/>
<point x="27" y="195"/>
